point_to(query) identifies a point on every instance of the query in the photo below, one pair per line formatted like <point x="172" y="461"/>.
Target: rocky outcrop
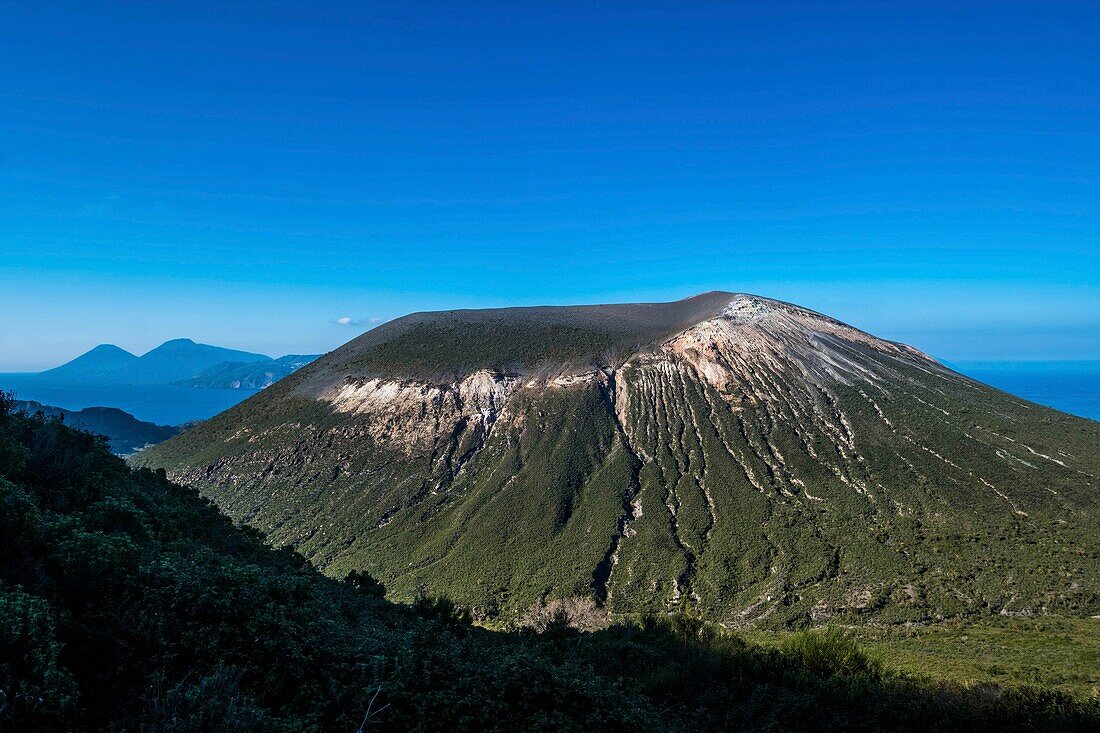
<point x="412" y="415"/>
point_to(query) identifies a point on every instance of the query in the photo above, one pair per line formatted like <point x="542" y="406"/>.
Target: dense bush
<point x="830" y="652"/>
<point x="129" y="603"/>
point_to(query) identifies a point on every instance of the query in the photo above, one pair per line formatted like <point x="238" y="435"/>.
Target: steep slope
<point x="253" y="375"/>
<point x="760" y="462"/>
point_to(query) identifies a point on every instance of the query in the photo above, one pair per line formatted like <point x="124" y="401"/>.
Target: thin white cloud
<point x="349" y="321"/>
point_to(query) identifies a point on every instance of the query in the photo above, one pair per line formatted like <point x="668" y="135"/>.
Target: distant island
<point x="248" y="375"/>
<point x="124" y="432"/>
<point x="178" y="382"/>
<point x="179" y="361"/>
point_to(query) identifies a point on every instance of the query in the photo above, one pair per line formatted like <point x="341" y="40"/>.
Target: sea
<point x="1069" y="386"/>
<point x="164" y="404"/>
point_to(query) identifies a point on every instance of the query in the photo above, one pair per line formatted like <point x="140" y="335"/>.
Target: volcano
<point x="754" y="461"/>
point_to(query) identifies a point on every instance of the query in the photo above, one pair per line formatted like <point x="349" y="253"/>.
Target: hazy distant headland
<point x="125" y="433"/>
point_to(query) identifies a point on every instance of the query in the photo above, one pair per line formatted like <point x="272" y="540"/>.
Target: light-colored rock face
<point x="755" y="350"/>
<point x="417" y="416"/>
<point x="753" y="337"/>
<point x="784" y="360"/>
<point x="413" y="415"/>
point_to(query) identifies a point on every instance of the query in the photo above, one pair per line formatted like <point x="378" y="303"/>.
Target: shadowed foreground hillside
<point x="129" y="603"/>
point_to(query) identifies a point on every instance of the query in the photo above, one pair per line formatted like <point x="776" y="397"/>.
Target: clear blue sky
<point x="247" y="174"/>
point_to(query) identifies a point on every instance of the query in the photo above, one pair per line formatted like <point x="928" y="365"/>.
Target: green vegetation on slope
<point x="1057" y="652"/>
<point x="531" y="518"/>
<point x="129" y="603"/>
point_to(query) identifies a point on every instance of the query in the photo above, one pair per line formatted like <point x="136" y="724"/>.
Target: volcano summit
<point x="759" y="462"/>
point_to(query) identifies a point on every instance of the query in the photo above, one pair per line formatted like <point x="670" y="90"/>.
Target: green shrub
<point x="829" y="652"/>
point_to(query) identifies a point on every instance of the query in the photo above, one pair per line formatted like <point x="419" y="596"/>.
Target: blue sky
<point x="247" y="174"/>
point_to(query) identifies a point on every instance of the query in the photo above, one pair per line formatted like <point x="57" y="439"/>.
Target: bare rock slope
<point x="759" y="462"/>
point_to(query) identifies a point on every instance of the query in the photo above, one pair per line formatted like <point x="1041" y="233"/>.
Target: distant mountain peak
<point x="96" y="363"/>
<point x="109" y="348"/>
<point x="186" y="344"/>
<point x="173" y="360"/>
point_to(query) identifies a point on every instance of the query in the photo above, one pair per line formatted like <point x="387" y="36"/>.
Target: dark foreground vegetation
<point x="129" y="603"/>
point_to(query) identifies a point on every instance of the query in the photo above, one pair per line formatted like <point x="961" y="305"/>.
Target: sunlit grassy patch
<point x="1055" y="652"/>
